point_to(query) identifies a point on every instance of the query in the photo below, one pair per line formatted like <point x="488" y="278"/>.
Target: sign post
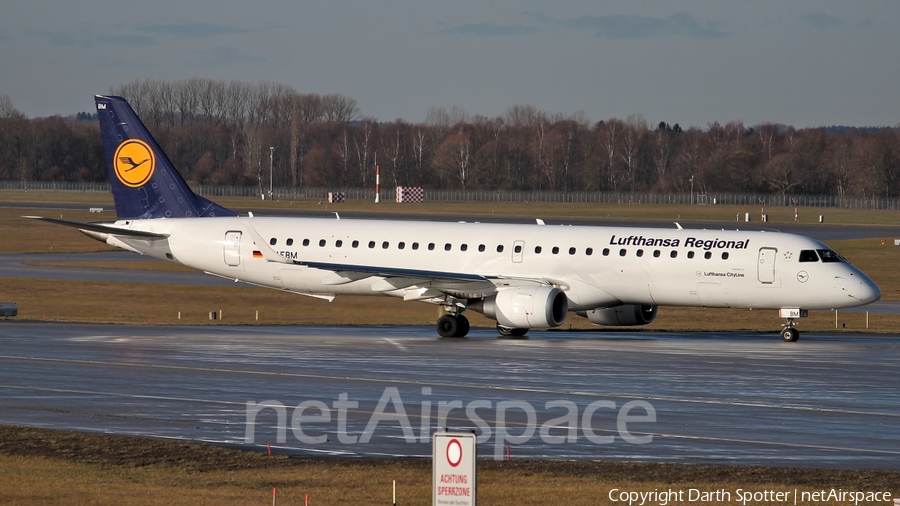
<point x="453" y="464"/>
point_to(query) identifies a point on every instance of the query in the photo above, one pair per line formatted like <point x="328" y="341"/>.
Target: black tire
<point x="463" y="326"/>
<point x="790" y="335"/>
<point x="448" y="325"/>
<point x="510" y="332"/>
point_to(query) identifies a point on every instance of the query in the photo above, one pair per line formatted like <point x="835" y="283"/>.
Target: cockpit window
<point x="829" y="256"/>
<point x="809" y="255"/>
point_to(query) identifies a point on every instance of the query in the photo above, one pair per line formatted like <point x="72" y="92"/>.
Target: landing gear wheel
<point x="790" y="334"/>
<point x="510" y="331"/>
<point x="451" y="325"/>
<point x="463" y="326"/>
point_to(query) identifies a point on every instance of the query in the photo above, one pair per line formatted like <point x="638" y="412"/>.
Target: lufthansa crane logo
<point x="134" y="163"/>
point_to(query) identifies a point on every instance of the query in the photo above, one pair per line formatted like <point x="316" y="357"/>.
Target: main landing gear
<point x="510" y="332"/>
<point x="453" y="325"/>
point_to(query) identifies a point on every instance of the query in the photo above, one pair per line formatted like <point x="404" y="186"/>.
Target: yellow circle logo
<point x="134" y="163"/>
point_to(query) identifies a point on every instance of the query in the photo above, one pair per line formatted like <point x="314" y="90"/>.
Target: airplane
<point x="520" y="275"/>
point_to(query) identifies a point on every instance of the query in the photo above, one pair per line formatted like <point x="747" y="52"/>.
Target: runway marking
<point x="395" y="343"/>
<point x="509" y="423"/>
<point x="450" y="385"/>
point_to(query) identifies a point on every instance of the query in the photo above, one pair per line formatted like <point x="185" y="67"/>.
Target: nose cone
<point x="861" y="288"/>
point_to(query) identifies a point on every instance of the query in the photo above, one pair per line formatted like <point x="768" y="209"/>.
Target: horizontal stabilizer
<point x="102" y="228"/>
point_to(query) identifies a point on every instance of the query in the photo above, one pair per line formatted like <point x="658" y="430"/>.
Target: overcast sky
<point x="800" y="62"/>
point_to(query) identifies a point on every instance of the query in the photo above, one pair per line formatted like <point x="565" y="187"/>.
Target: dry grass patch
<point x="43" y="466"/>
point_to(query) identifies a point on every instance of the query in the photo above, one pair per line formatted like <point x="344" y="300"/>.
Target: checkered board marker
<point x="334" y="197"/>
<point x="410" y="194"/>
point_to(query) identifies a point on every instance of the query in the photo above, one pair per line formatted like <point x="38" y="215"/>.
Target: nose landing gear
<point x="789" y="333"/>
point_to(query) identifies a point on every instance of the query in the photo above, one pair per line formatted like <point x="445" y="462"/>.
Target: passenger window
<point x="401" y="245"/>
<point x="555" y="250"/>
<point x="371" y="244"/>
<point x="415" y="246"/>
<point x="290" y="242"/>
<point x="447" y="247"/>
<point x="640" y="252"/>
<point x="622" y="252"/>
<point x="355" y="244"/>
<point x="606" y="252"/>
<point x="339" y="243"/>
<point x="673" y="254"/>
<point x="518" y="249"/>
<point x="537" y="249"/>
<point x="385" y="245"/>
<point x="272" y="241"/>
<point x="306" y="242"/>
<point x="481" y="247"/>
<point x="431" y="246"/>
<point x="690" y="254"/>
<point x="724" y="255"/>
<point x="463" y="247"/>
<point x="499" y="248"/>
<point x="589" y="251"/>
<point x="829" y="256"/>
<point x="707" y="255"/>
<point x="809" y="255"/>
<point x="656" y="253"/>
<point x="321" y="243"/>
<point x="571" y="251"/>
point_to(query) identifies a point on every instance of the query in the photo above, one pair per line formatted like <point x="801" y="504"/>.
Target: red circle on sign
<point x="454" y="453"/>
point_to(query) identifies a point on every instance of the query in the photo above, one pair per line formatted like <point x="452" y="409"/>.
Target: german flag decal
<point x="257" y="254"/>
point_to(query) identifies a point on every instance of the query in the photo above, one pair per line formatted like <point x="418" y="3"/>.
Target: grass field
<point x="42" y="466"/>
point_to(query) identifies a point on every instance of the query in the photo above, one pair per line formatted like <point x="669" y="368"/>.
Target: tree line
<point x="218" y="132"/>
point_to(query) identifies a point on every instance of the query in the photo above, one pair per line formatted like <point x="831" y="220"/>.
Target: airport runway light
<point x="692" y="190"/>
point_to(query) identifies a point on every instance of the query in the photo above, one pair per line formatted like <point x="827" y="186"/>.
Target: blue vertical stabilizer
<point x="144" y="183"/>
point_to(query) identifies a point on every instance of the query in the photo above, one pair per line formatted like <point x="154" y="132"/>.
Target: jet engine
<point x="624" y="315"/>
<point x="525" y="307"/>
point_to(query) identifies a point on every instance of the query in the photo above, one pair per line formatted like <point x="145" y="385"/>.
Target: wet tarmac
<point x="728" y="398"/>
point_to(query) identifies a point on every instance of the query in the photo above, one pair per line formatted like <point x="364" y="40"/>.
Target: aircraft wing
<point x="425" y="282"/>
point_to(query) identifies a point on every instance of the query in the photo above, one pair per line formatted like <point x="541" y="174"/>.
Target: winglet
<point x="268" y="253"/>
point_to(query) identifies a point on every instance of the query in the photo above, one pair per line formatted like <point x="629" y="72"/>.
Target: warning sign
<point x="453" y="458"/>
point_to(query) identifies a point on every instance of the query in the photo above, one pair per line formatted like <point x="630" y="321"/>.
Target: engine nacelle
<point x="627" y="314"/>
<point x="526" y="307"/>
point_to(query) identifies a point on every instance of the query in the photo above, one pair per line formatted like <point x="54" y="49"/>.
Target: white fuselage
<point x="596" y="267"/>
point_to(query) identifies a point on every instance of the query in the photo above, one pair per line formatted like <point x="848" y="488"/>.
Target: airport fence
<point x="282" y="193"/>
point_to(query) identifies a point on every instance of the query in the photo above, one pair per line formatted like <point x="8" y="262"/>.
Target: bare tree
<point x="340" y="108"/>
<point x="633" y="134"/>
<point x="419" y="151"/>
<point x="393" y="145"/>
<point x="454" y="157"/>
<point x="362" y="144"/>
<point x="611" y="138"/>
<point x="342" y="150"/>
<point x="7" y="111"/>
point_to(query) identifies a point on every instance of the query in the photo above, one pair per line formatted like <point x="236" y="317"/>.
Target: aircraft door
<point x="233" y="248"/>
<point x="766" y="267"/>
<point x="518" y="251"/>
